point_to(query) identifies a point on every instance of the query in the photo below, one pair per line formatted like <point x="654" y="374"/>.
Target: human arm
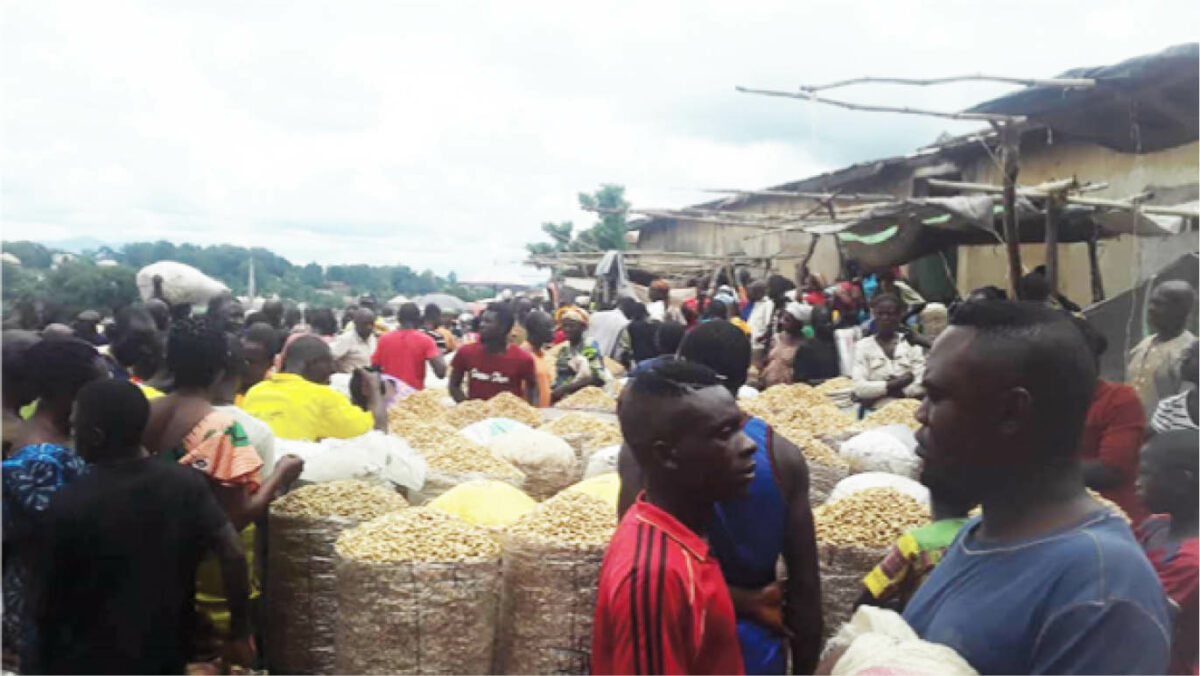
<point x="867" y="387"/>
<point x="235" y="577"/>
<point x="438" y="364"/>
<point x="1119" y="443"/>
<point x="802" y="599"/>
<point x="341" y="419"/>
<point x="244" y="507"/>
<point x="1095" y="638"/>
<point x="915" y="363"/>
<point x="457" y="368"/>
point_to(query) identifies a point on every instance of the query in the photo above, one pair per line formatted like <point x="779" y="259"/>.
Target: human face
<point x="573" y="330"/>
<point x="364" y="324"/>
<point x="1166" y="312"/>
<point x="490" y="328"/>
<point x="540" y="331"/>
<point x="887" y="318"/>
<point x="87" y="435"/>
<point x="713" y="458"/>
<point x="970" y="415"/>
<point x="257" y="363"/>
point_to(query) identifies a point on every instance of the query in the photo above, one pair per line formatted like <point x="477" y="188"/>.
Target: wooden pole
<point x="1094" y="263"/>
<point x="1010" y="144"/>
<point x="1053" y="211"/>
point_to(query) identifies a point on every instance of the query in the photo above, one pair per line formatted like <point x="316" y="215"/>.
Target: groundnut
<point x="871" y="518"/>
<point x="417" y="534"/>
<point x="349" y="498"/>
<point x="571" y="518"/>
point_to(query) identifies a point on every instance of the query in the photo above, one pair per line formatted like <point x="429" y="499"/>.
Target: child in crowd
<point x="1167" y="486"/>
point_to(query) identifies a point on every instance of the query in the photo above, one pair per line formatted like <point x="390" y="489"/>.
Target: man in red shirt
<point x="404" y="352"/>
<point x="1112" y="436"/>
<point x="1171" y="537"/>
<point x="492" y="365"/>
<point x="662" y="606"/>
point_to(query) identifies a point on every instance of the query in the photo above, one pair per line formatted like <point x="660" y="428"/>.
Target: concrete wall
<point x="1123" y="261"/>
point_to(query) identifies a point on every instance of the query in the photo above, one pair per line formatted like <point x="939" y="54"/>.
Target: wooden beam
<point x="987" y="117"/>
<point x="1066" y="83"/>
<point x="1009" y="150"/>
<point x="819" y="196"/>
<point x="1094" y="268"/>
<point x="1053" y="211"/>
<point x="1128" y="204"/>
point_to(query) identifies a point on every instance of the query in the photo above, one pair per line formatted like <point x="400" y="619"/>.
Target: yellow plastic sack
<point x="605" y="486"/>
<point x="485" y="503"/>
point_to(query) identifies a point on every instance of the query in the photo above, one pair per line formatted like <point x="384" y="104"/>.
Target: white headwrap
<point x="799" y="311"/>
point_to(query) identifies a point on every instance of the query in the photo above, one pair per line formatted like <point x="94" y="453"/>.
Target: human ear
<point x="665" y="455"/>
<point x="1016" y="410"/>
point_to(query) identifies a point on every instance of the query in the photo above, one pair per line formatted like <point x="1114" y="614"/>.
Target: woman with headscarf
<point x="781" y="359"/>
<point x="579" y="363"/>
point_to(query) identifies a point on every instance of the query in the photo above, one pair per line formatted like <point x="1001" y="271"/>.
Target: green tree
<point x="312" y="275"/>
<point x="607" y="233"/>
<point x="32" y="254"/>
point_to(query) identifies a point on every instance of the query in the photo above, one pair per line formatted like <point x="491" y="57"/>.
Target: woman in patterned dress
<point x="41" y="462"/>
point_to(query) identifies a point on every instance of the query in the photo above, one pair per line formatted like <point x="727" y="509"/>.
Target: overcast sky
<point x="442" y="135"/>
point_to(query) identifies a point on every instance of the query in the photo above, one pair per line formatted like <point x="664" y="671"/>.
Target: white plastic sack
<point x="602" y="461"/>
<point x="746" y="393"/>
<point x="881" y="450"/>
<point x="340" y="382"/>
<point x="374" y="456"/>
<point x="532" y="448"/>
<point x="487" y="429"/>
<point x="861" y="482"/>
<point x="180" y="283"/>
<point x="881" y="642"/>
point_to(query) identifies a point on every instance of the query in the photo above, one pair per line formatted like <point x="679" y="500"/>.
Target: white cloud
<point x="443" y="135"/>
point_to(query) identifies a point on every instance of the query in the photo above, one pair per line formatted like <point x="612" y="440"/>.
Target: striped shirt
<point x="1172" y="414"/>
<point x="662" y="606"/>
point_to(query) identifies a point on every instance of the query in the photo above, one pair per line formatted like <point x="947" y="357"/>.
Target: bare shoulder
<point x="791" y="468"/>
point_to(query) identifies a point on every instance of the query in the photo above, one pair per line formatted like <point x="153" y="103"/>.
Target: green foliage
<point x="79" y="284"/>
<point x="32" y="254"/>
<point x="607" y="233"/>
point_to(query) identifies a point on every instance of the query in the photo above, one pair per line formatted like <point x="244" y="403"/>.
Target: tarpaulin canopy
<point x="1143" y="104"/>
<point x="899" y="232"/>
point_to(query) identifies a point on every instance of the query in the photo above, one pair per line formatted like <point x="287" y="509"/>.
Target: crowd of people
<point x="163" y="421"/>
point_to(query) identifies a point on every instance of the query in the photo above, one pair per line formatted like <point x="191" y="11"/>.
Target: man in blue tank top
<point x="748" y="535"/>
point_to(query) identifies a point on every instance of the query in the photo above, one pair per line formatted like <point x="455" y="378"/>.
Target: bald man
<point x="299" y="404"/>
<point x="1156" y="364"/>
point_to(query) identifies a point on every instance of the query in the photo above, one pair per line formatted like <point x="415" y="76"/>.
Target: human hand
<point x="765" y="606"/>
<point x="289" y="467"/>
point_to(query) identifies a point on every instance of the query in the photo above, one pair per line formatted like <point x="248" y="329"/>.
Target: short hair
<point x="1033" y="287"/>
<point x="1178" y="449"/>
<point x="777" y="285"/>
<point x="118" y="408"/>
<point x="322" y="321"/>
<point x="61" y="366"/>
<point x="722" y="347"/>
<point x="256" y="318"/>
<point x="504" y="315"/>
<point x="1049" y="357"/>
<point x="19" y="383"/>
<point x="668" y="337"/>
<point x="632" y="309"/>
<point x="197" y="352"/>
<point x="432" y="311"/>
<point x="264" y="334"/>
<point x="410" y="314"/>
<point x="717" y="309"/>
<point x="887" y="297"/>
<point x="303" y="350"/>
<point x="987" y="293"/>
<point x="670" y="379"/>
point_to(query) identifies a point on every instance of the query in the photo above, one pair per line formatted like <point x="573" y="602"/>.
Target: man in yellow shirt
<point x="299" y="404"/>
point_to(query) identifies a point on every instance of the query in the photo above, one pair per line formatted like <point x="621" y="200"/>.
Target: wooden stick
<point x="1053" y="209"/>
<point x="1094" y="265"/>
<point x="988" y="117"/>
<point x="837" y="197"/>
<point x="1068" y="83"/>
<point x="1008" y="152"/>
<point x="1128" y="204"/>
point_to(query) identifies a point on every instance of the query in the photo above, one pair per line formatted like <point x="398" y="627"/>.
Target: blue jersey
<point x="746" y="535"/>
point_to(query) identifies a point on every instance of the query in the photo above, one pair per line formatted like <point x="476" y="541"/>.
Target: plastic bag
<point x="879" y="641"/>
<point x="374" y="456"/>
<point x="487" y="429"/>
<point x="180" y="283"/>
<point x="861" y="482"/>
<point x="548" y="462"/>
<point x="602" y="462"/>
<point x="485" y="503"/>
<point x="881" y="450"/>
